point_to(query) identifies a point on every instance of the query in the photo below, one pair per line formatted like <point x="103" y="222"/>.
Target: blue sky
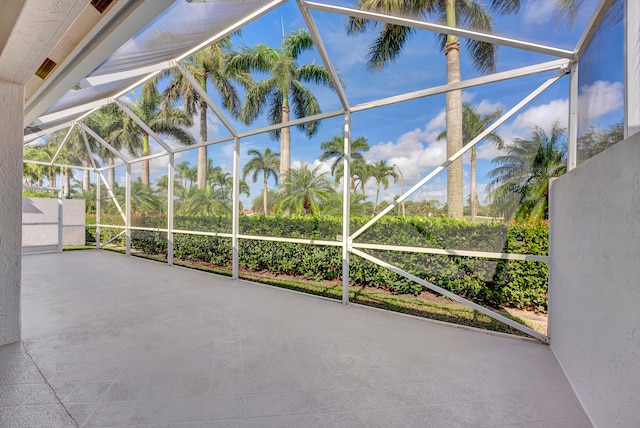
<point x="406" y="134"/>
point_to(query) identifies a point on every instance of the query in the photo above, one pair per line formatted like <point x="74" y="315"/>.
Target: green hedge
<point x="495" y="282"/>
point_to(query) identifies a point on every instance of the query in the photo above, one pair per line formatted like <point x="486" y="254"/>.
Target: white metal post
<point x="346" y="208"/>
<point x="235" y="226"/>
<point x="98" y="208"/>
<point x="60" y="219"/>
<point x="236" y="207"/>
<point x="572" y="148"/>
<point x="170" y="190"/>
<point x="127" y="201"/>
<point x="632" y="68"/>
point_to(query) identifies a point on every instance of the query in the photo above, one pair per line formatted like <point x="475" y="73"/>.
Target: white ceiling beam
<point x="144" y="126"/>
<point x="558" y="64"/>
<point x="103" y="142"/>
<point x="317" y="39"/>
<point x="442" y="29"/>
<point x="594" y="23"/>
<point x="207" y="99"/>
<point x="123" y="21"/>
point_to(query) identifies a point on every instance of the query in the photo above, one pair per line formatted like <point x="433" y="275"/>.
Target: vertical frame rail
<point x="60" y="220"/>
<point x="98" y="208"/>
<point x="346" y="208"/>
<point x="572" y="146"/>
<point x="236" y="208"/>
<point x="631" y="68"/>
<point x="127" y="201"/>
<point x="170" y="183"/>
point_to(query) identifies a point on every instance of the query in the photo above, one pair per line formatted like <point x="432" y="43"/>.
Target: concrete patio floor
<point x="110" y="340"/>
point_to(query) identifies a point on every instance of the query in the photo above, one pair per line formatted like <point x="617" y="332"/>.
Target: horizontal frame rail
<point x="461" y="253"/>
<point x="454" y="297"/>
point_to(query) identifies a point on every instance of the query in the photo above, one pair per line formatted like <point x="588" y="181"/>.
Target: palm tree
<point x="283" y="89"/>
<point x="208" y="67"/>
<point x="186" y="174"/>
<point x="104" y="122"/>
<point x="381" y="171"/>
<point x="473" y="123"/>
<point x="166" y="122"/>
<point x="360" y="174"/>
<point x="334" y="148"/>
<point x="222" y="182"/>
<point x="307" y="192"/>
<point x="202" y="202"/>
<point x="33" y="173"/>
<point x="76" y="149"/>
<point x="265" y="163"/>
<point x="143" y="200"/>
<point x="520" y="182"/>
<point x="454" y="13"/>
<point x="257" y="204"/>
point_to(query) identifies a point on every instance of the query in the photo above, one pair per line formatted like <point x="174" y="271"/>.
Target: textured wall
<point x="594" y="291"/>
<point x="11" y="114"/>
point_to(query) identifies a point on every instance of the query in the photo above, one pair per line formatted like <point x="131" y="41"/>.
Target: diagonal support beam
<point x="64" y="141"/>
<point x="144" y="126"/>
<point x="590" y="30"/>
<point x="207" y="99"/>
<point x="87" y="147"/>
<point x="460" y="152"/>
<point x="455" y="297"/>
<point x="104" y="143"/>
<point x="315" y="34"/>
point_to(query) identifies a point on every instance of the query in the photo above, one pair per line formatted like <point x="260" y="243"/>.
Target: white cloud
<point x="539" y="11"/>
<point x="543" y="115"/>
<point x="486" y="107"/>
<point x="487" y="150"/>
<point x="324" y="166"/>
<point x="438" y="122"/>
<point x="600" y="98"/>
<point x="595" y="101"/>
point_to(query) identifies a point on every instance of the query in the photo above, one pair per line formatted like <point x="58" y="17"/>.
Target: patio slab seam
<point x="46" y="381"/>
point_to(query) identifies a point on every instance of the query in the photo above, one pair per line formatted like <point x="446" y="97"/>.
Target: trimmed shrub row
<point x="520" y="284"/>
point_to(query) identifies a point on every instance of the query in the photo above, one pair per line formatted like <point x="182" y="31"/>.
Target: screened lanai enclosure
<point x="472" y="162"/>
<point x="372" y="144"/>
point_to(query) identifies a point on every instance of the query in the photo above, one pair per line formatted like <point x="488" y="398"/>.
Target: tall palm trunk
<point x="264" y="194"/>
<point x="145" y="163"/>
<point x="111" y="175"/>
<point x="375" y="207"/>
<point x="52" y="180"/>
<point x="285" y="147"/>
<point x="86" y="180"/>
<point x="202" y="150"/>
<point x="454" y="119"/>
<point x="474" y="197"/>
<point x="66" y="188"/>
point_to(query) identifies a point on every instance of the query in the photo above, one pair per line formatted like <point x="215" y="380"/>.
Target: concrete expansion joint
<point x="26" y="351"/>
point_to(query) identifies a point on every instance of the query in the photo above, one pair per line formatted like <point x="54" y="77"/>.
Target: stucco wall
<point x="45" y="210"/>
<point x="11" y="107"/>
<point x="594" y="290"/>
